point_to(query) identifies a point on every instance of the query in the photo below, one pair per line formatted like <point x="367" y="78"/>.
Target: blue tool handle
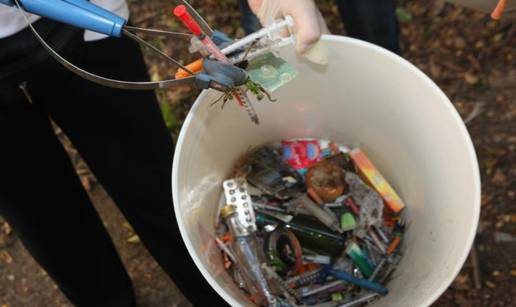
<point x="78" y="13"/>
<point x="364" y="283"/>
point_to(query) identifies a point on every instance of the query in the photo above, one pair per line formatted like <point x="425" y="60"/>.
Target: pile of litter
<point x="308" y="222"/>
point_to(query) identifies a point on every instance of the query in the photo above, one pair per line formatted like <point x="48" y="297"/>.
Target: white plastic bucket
<point x="367" y="97"/>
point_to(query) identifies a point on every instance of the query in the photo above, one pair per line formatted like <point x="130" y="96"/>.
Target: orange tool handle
<point x="195" y="67"/>
<point x="498" y="10"/>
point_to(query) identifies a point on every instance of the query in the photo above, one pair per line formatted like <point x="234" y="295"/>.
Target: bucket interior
<point x="366" y="97"/>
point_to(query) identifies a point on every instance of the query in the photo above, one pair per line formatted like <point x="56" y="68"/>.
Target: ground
<point x="470" y="57"/>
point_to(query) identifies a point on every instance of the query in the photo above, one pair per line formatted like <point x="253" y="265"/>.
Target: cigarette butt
<point x="394" y="244"/>
<point x="195" y="67"/>
<point x="498" y="10"/>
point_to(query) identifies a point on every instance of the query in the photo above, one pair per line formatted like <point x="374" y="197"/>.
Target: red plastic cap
<point x="181" y="12"/>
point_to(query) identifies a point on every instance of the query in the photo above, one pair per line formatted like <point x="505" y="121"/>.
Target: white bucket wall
<point x="366" y="97"/>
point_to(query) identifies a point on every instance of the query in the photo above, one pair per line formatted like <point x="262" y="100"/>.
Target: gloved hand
<point x="309" y="23"/>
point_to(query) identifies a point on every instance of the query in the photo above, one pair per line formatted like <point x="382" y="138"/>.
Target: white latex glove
<point x="309" y="23"/>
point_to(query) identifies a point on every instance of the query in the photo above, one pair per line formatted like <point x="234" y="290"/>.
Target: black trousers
<point x="374" y="21"/>
<point x="370" y="20"/>
<point x="123" y="138"/>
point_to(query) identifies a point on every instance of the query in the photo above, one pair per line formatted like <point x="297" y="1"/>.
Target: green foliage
<point x="170" y="118"/>
<point x="403" y="15"/>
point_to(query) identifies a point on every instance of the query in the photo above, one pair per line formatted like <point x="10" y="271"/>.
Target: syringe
<point x="239" y="93"/>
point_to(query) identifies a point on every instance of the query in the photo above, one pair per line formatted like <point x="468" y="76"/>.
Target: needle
<point x="159" y="32"/>
<point x="191" y="23"/>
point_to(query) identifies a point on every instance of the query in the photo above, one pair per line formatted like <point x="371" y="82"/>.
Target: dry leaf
<point x="6" y="257"/>
<point x="6" y="229"/>
<point x="85" y="180"/>
<point x="461" y="279"/>
<point x="499" y="178"/>
<point x="5" y="233"/>
<point x="490" y="284"/>
<point x="128" y="226"/>
<point x="470" y="78"/>
<point x="133" y="239"/>
<point x="459" y="42"/>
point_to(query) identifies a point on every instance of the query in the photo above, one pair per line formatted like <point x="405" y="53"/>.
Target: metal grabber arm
<point x="86" y="15"/>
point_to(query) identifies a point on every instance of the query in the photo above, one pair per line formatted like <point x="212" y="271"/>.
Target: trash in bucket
<point x="308" y="222"/>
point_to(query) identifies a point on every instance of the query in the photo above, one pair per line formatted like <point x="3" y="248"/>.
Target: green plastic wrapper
<point x="271" y="71"/>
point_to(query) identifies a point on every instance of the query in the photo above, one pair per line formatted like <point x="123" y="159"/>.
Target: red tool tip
<point x="181" y="12"/>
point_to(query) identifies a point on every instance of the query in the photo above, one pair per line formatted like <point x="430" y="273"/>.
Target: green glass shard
<point x="359" y="258"/>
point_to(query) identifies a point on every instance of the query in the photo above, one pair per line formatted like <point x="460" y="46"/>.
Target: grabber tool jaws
<point x="88" y="16"/>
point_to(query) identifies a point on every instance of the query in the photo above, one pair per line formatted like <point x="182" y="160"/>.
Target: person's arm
<point x="309" y="23"/>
